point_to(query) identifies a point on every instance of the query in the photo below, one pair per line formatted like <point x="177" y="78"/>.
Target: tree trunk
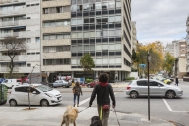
<point x="11" y="68"/>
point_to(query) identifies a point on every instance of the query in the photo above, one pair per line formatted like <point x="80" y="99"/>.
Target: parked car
<point x="61" y="83"/>
<point x="157" y="88"/>
<point x="91" y="84"/>
<point x="40" y="95"/>
<point x="11" y="82"/>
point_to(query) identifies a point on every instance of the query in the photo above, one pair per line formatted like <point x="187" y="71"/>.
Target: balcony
<point x="23" y="34"/>
<point x="54" y="3"/>
<point x="24" y="10"/>
<point x="14" y="1"/>
<point x="23" y="58"/>
<point x="20" y="23"/>
<point x="56" y="29"/>
<point x="20" y="70"/>
<point x="56" y="68"/>
<point x="56" y="55"/>
<point x="55" y="16"/>
<point x="56" y="42"/>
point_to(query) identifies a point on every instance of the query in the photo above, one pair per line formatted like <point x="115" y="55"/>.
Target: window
<point x="21" y="89"/>
<point x="28" y="65"/>
<point x="153" y="83"/>
<point x="142" y="83"/>
<point x="37" y="39"/>
<point x="28" y="40"/>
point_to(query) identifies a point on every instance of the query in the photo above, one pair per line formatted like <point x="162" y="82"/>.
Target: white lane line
<point x="86" y="100"/>
<point x="169" y="108"/>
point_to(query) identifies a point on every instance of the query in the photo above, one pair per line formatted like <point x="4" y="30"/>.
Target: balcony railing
<point x="14" y="1"/>
<point x="20" y="23"/>
<point x="24" y="10"/>
<point x="22" y="34"/>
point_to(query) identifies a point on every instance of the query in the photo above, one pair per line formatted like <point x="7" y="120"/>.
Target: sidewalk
<point x="52" y="116"/>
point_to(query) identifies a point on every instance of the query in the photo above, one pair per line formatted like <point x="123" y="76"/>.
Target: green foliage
<point x="14" y="75"/>
<point x="89" y="80"/>
<point x="87" y="63"/>
<point x="134" y="69"/>
<point x="168" y="63"/>
<point x="129" y="78"/>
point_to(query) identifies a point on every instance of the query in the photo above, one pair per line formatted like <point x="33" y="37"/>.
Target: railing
<point x="23" y="10"/>
<point x="12" y="34"/>
<point x="7" y="69"/>
<point x="14" y="1"/>
<point x="9" y="23"/>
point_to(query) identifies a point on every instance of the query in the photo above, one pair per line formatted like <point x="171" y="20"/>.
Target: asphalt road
<point x="176" y="110"/>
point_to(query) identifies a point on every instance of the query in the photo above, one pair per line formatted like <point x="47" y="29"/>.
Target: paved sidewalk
<point x="52" y="116"/>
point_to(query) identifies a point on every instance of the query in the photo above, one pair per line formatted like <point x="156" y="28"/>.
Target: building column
<point x="96" y="74"/>
<point x="72" y="74"/>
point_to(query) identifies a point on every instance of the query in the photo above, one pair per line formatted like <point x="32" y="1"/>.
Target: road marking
<point x="86" y="100"/>
<point x="169" y="108"/>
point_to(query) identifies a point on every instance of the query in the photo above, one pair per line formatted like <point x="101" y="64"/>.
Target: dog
<point x="95" y="121"/>
<point x="70" y="116"/>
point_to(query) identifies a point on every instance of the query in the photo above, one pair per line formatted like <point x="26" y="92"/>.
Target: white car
<point x="11" y="82"/>
<point x="39" y="95"/>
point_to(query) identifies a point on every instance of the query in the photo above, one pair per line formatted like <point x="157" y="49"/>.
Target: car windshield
<point x="44" y="88"/>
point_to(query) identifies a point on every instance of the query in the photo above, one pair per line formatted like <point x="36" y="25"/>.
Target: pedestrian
<point x="103" y="90"/>
<point x="73" y="83"/>
<point x="77" y="91"/>
<point x="176" y="81"/>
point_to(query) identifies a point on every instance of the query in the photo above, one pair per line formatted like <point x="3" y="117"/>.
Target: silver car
<point x="61" y="83"/>
<point x="157" y="88"/>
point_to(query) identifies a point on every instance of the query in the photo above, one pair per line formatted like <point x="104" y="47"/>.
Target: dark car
<point x="91" y="84"/>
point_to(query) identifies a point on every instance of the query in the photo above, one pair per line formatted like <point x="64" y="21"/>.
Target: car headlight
<point x="50" y="95"/>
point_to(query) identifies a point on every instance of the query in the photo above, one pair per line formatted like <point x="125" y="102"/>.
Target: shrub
<point x="89" y="80"/>
<point x="129" y="78"/>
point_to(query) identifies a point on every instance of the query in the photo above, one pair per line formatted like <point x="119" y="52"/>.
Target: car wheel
<point x="170" y="94"/>
<point x="68" y="86"/>
<point x="134" y="94"/>
<point x="89" y="86"/>
<point x="44" y="103"/>
<point x="13" y="103"/>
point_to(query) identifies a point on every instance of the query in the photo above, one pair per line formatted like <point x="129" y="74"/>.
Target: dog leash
<point x="116" y="117"/>
<point x="83" y="109"/>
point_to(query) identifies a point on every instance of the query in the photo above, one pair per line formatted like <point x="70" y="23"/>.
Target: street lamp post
<point x="148" y="60"/>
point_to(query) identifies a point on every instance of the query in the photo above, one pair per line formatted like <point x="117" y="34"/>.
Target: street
<point x="176" y="110"/>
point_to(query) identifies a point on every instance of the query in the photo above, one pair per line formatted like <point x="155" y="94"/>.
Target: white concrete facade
<point x="178" y="50"/>
<point x="134" y="35"/>
<point x="187" y="42"/>
<point x="21" y="18"/>
<point x="62" y="35"/>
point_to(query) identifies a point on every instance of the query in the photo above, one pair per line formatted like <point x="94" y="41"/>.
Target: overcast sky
<point x="160" y="20"/>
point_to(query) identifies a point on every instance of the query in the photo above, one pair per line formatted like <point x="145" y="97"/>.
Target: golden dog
<point x="70" y="116"/>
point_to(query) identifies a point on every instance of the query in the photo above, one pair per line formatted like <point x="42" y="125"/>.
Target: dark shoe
<point x="74" y="105"/>
<point x="77" y="105"/>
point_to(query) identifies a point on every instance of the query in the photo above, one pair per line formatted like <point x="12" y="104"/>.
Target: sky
<point x="160" y="20"/>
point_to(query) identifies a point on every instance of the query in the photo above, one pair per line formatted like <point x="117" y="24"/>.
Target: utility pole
<point x="148" y="60"/>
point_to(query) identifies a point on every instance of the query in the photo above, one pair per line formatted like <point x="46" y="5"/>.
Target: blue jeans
<point x="76" y="95"/>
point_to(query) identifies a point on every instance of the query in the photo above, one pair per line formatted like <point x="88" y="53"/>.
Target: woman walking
<point x="77" y="91"/>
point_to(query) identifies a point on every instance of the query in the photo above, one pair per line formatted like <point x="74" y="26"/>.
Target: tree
<point x="168" y="63"/>
<point x="12" y="46"/>
<point x="87" y="63"/>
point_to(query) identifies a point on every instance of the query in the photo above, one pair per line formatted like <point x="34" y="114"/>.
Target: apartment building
<point x="179" y="47"/>
<point x="169" y="48"/>
<point x="72" y="28"/>
<point x="134" y="35"/>
<point x="21" y="19"/>
<point x="187" y="42"/>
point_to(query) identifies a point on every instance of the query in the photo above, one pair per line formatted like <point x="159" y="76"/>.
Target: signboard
<point x="142" y="65"/>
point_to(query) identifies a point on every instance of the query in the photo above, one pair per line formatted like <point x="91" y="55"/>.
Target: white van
<point x="11" y="82"/>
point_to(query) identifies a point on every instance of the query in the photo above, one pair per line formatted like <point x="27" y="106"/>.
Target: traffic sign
<point x="142" y="65"/>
